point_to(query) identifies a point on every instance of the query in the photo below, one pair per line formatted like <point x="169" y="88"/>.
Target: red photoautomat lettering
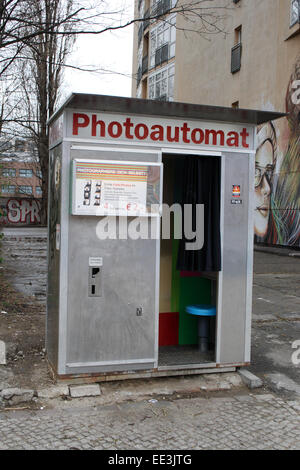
<point x="197" y="136"/>
<point x="128" y="125"/>
<point x="95" y="124"/>
<point x="157" y="133"/>
<point x="127" y="128"/>
<point x="233" y="139"/>
<point x="171" y="138"/>
<point x="244" y="134"/>
<point x="76" y="124"/>
<point x="214" y="135"/>
<point x="141" y="135"/>
<point x="115" y="129"/>
<point x="185" y="129"/>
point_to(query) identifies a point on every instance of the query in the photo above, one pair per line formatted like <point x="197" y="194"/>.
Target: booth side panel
<point x="113" y="330"/>
<point x="233" y="316"/>
<point x="52" y="321"/>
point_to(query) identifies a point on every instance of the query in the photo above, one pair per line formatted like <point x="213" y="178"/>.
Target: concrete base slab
<point x="250" y="379"/>
<point x="77" y="391"/>
<point x="2" y="353"/>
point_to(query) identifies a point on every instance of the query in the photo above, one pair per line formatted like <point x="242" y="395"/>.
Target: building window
<point x="25" y="189"/>
<point x="160" y="7"/>
<point x="295" y="12"/>
<point x="21" y="145"/>
<point x="9" y="172"/>
<point x="162" y="42"/>
<point x="161" y="84"/>
<point x="8" y="189"/>
<point x="25" y="173"/>
<point x="38" y="190"/>
<point x="236" y="51"/>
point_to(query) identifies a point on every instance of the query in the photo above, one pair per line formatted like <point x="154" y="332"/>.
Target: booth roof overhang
<point x="121" y="105"/>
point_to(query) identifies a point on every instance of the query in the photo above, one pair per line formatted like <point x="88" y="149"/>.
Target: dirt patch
<point x="22" y="328"/>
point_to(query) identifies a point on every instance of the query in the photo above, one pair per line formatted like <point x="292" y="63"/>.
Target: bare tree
<point x="40" y="74"/>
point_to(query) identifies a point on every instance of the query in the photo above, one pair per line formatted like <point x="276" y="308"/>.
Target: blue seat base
<point x="202" y="310"/>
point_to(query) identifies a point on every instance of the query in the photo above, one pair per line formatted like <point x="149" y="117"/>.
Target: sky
<point x="111" y="51"/>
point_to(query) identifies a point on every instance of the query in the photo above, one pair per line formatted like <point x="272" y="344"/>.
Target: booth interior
<point x="189" y="277"/>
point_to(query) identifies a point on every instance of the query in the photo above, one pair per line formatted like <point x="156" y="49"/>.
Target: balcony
<point x="146" y="19"/>
<point x="145" y="65"/>
<point x="140" y="33"/>
<point x="161" y="8"/>
<point x="236" y="56"/>
<point x="161" y="55"/>
<point x="139" y="76"/>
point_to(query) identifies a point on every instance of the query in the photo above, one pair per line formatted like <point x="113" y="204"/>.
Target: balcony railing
<point x="161" y="7"/>
<point x="146" y="19"/>
<point x="145" y="65"/>
<point x="162" y="55"/>
<point x="139" y="76"/>
<point x="140" y="33"/>
<point x="236" y="56"/>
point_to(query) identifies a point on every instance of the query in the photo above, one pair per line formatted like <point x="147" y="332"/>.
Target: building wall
<point x="15" y="211"/>
<point x="19" y="194"/>
<point x="270" y="64"/>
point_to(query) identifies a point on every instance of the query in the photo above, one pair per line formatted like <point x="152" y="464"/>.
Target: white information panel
<point x="110" y="187"/>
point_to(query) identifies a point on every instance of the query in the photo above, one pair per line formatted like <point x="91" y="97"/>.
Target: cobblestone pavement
<point x="247" y="421"/>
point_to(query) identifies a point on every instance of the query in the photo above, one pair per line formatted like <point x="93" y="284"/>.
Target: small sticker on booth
<point x="95" y="261"/>
<point x="57" y="237"/>
<point x="236" y="190"/>
<point x="236" y="201"/>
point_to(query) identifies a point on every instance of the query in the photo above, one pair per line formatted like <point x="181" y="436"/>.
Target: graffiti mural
<point x="19" y="211"/>
<point x="277" y="174"/>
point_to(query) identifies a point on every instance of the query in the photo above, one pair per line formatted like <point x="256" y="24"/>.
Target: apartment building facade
<point x="242" y="54"/>
<point x="20" y="184"/>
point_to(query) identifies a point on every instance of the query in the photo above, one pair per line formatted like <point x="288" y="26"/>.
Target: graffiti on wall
<point x="277" y="174"/>
<point x="19" y="211"/>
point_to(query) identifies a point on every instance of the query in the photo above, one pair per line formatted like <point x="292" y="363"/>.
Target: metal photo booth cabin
<point x="119" y="306"/>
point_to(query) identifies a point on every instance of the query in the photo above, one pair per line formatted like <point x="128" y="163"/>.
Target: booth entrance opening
<point x="179" y="341"/>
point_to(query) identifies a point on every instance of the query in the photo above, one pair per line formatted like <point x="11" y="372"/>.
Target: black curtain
<point x="201" y="181"/>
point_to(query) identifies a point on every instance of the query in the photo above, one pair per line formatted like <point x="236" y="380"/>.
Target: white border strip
<point x="249" y="284"/>
<point x="201" y="150"/>
<point x="110" y="363"/>
<point x="157" y="267"/>
<point x="220" y="274"/>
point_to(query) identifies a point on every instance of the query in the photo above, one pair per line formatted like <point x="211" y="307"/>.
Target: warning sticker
<point x="236" y="201"/>
<point x="236" y="190"/>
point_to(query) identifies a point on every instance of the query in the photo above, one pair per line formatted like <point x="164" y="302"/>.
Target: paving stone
<point x="2" y="353"/>
<point x="78" y="391"/>
<point x="15" y="396"/>
<point x="6" y="376"/>
<point x="281" y="381"/>
<point x="250" y="379"/>
<point x="53" y="392"/>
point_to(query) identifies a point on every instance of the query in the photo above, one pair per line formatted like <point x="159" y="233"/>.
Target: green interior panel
<point x="193" y="290"/>
<point x="175" y="298"/>
<point x="187" y="291"/>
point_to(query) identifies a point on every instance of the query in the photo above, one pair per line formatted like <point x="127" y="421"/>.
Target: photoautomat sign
<point x="158" y="130"/>
<point x="104" y="187"/>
